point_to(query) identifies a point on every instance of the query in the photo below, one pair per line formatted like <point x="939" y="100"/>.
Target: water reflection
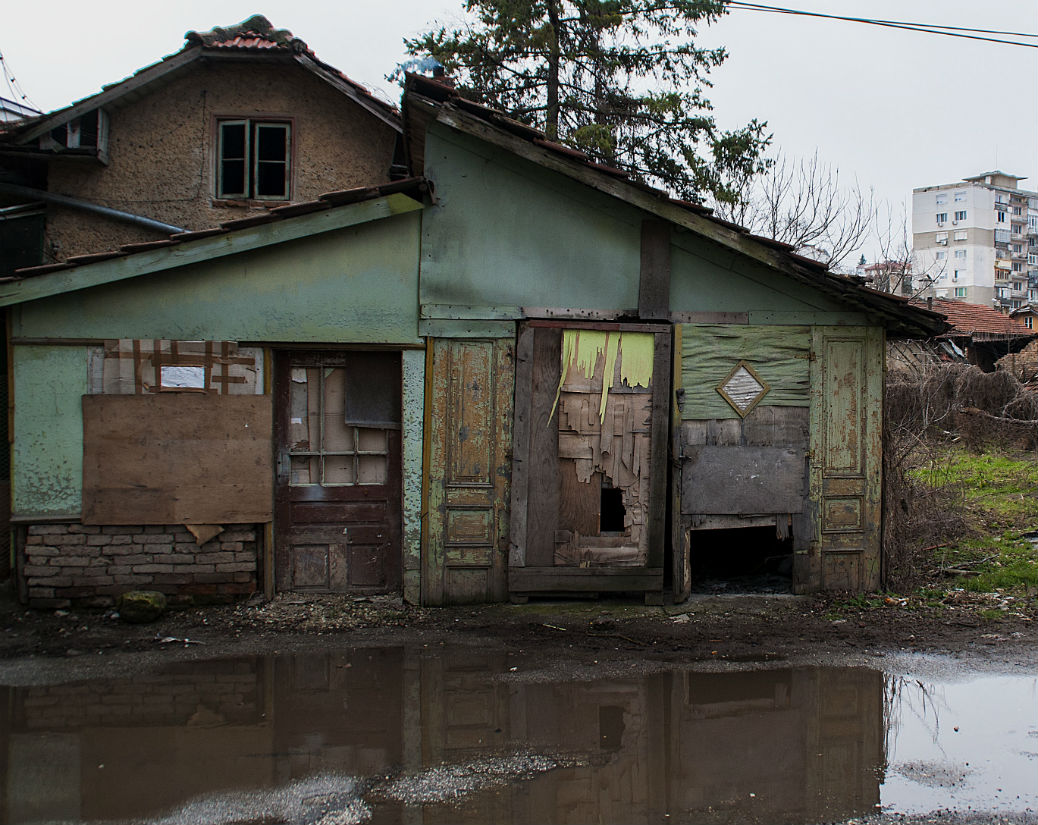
<point x="299" y="738"/>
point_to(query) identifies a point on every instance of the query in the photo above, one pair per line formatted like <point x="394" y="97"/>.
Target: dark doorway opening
<point x="743" y="560"/>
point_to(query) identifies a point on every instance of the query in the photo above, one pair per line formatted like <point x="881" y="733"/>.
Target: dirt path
<point x="976" y="630"/>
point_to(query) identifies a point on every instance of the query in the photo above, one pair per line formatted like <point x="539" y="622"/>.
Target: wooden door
<point x="847" y="455"/>
<point x="338" y="490"/>
<point x="590" y="467"/>
<point x="470" y="437"/>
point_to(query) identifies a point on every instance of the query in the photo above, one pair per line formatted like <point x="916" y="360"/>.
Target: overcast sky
<point x="895" y="109"/>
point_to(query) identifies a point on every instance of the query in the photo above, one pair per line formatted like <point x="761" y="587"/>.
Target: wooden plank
<point x="543" y="490"/>
<point x="521" y="446"/>
<point x="654" y="281"/>
<point x="680" y="571"/>
<point x="659" y="449"/>
<point x="177" y="458"/>
<point x="579" y="502"/>
<point x="584" y="579"/>
<point x="710" y="318"/>
<point x="750" y="480"/>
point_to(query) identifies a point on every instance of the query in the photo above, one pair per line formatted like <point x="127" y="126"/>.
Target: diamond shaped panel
<point x="743" y="388"/>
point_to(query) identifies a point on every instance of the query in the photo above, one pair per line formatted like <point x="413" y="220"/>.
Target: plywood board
<point x="737" y="480"/>
<point x="177" y="458"/>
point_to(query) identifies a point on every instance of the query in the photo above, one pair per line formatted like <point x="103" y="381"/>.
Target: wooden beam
<point x="204" y="249"/>
<point x="654" y="282"/>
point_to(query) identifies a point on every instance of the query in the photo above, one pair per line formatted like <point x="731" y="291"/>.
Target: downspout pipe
<point x="87" y="206"/>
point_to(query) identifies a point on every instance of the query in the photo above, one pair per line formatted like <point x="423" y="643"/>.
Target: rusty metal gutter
<point x="87" y="206"/>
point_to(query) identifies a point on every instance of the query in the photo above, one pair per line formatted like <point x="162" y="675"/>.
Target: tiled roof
<point x="414" y="187"/>
<point x="977" y="319"/>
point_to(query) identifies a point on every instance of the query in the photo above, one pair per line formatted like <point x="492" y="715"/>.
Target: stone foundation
<point x="73" y="564"/>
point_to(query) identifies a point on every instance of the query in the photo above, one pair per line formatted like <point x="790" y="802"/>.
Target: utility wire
<point x="16" y="90"/>
<point x="926" y="28"/>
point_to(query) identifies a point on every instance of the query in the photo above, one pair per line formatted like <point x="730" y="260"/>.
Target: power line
<point x="926" y="28"/>
<point x="16" y="90"/>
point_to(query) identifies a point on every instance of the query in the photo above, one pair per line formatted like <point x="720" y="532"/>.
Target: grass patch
<point x="998" y="495"/>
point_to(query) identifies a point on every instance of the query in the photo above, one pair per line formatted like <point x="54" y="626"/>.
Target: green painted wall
<point x="413" y="443"/>
<point x="356" y="285"/>
<point x="506" y="232"/>
<point x="48" y="429"/>
<point x="778" y="354"/>
<point x="706" y="277"/>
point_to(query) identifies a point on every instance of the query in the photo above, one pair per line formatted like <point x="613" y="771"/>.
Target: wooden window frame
<point x="251" y="160"/>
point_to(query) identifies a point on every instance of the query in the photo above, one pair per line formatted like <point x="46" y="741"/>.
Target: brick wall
<point x="232" y="690"/>
<point x="68" y="564"/>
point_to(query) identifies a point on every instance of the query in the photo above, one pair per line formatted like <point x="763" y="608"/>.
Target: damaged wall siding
<point x="357" y="285"/>
<point x="780" y="355"/>
<point x="161" y="162"/>
<point x="755" y="463"/>
<point x="48" y="428"/>
<point x="605" y="412"/>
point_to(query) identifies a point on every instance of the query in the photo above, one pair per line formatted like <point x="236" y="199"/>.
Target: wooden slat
<point x="660" y="448"/>
<point x="543" y="491"/>
<point x="177" y="458"/>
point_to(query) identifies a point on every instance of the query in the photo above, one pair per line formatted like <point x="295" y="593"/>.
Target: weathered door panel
<point x="338" y="500"/>
<point x="846" y="448"/>
<point x="470" y="441"/>
<point x="590" y="469"/>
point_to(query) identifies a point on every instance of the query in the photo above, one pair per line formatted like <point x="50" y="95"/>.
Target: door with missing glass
<point x="338" y="490"/>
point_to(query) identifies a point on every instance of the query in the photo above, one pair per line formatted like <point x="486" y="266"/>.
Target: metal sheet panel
<point x="749" y="480"/>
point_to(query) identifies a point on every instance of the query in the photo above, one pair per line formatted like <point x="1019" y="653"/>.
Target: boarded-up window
<point x="131" y="366"/>
<point x="193" y="458"/>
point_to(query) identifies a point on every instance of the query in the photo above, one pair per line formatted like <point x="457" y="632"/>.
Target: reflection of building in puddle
<point x="782" y="745"/>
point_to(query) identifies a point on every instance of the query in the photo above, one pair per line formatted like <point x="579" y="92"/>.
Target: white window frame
<point x="960" y="215"/>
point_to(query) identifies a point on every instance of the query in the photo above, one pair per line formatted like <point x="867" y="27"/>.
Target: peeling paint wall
<point x="161" y="152"/>
<point x="48" y="428"/>
<point x="413" y="444"/>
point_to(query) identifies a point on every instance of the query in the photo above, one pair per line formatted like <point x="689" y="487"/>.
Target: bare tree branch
<point x="803" y="203"/>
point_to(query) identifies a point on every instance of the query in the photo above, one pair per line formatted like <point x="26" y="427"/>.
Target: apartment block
<point x="976" y="241"/>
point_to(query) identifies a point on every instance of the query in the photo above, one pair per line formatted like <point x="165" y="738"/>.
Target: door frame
<point x="281" y="361"/>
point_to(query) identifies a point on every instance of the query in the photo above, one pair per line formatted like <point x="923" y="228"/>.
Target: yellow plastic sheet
<point x="581" y="349"/>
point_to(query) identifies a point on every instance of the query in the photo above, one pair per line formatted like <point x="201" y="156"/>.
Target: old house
<point x="239" y="120"/>
<point x="517" y="372"/>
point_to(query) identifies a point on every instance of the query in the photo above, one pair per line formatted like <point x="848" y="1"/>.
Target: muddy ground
<point x="707" y="629"/>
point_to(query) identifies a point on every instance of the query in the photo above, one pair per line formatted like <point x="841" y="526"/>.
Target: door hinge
<point x="805" y="356"/>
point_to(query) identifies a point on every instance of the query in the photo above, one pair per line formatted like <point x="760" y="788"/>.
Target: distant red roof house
<point x="979" y="334"/>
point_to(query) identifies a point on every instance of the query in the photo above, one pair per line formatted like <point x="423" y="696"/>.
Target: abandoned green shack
<point x="516" y="373"/>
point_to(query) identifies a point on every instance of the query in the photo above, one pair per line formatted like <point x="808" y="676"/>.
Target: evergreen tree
<point x="621" y="80"/>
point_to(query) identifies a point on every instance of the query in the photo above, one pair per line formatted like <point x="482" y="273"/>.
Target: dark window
<point x="254" y="160"/>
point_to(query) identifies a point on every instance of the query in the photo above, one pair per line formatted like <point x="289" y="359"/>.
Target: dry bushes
<point x="925" y="410"/>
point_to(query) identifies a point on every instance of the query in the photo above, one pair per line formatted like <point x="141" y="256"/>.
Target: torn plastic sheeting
<point x="582" y="348"/>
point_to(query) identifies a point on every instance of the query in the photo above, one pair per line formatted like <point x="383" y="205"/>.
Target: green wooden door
<point x="470" y="432"/>
<point x="847" y="455"/>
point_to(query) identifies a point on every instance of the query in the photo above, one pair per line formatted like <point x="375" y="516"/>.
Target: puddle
<point x="397" y="735"/>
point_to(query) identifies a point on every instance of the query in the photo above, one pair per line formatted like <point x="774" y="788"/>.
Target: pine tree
<point x="621" y="80"/>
